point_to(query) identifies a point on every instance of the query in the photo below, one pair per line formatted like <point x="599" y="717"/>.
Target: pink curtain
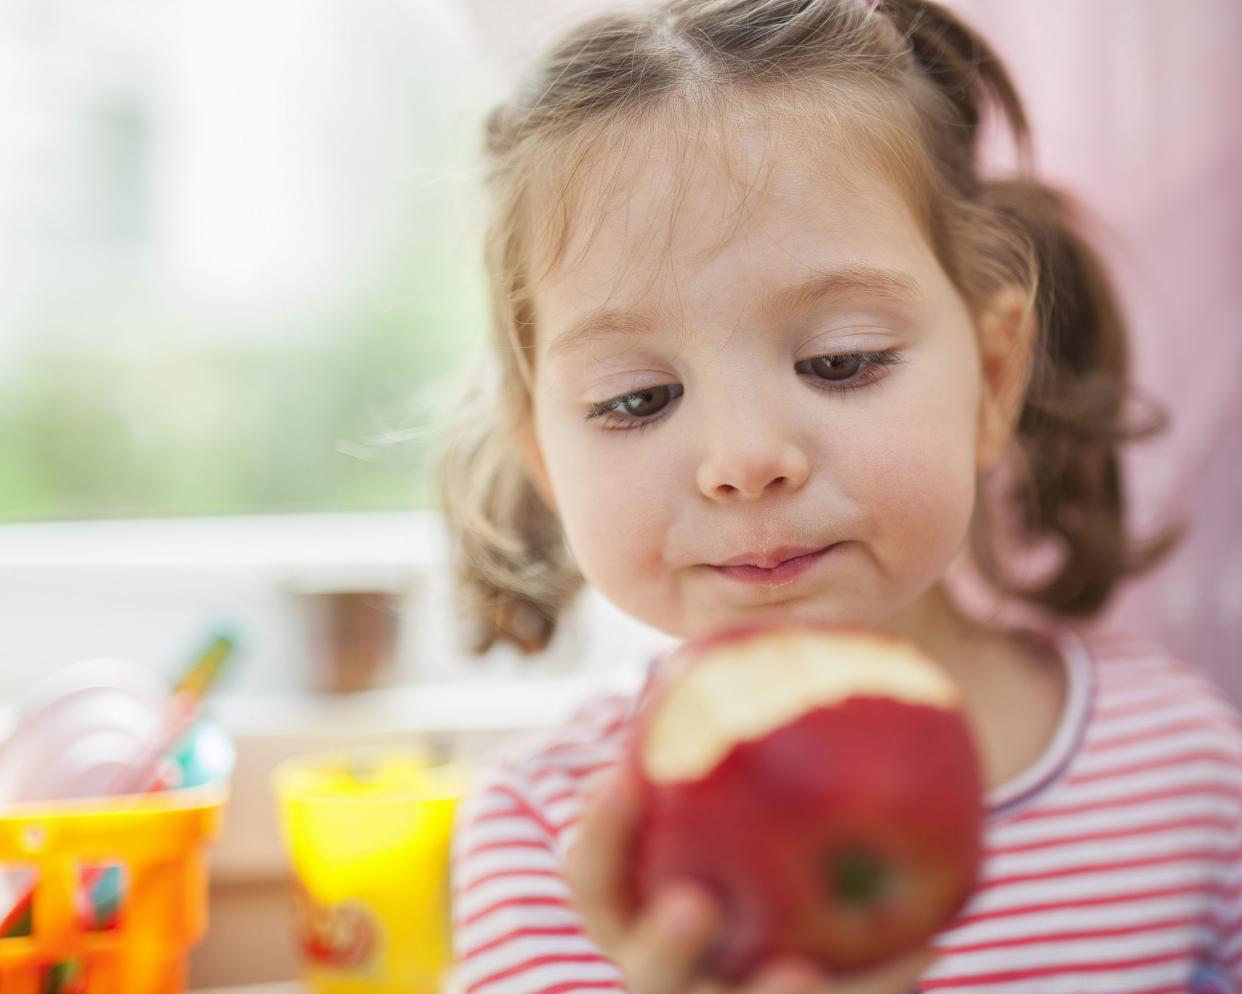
<point x="1135" y="107"/>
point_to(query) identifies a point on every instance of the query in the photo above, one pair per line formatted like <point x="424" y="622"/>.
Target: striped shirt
<point x="1112" y="865"/>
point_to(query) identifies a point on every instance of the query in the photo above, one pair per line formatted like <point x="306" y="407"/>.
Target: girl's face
<point x="773" y="364"/>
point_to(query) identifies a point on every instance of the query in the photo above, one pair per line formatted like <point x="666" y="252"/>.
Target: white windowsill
<point x="148" y="591"/>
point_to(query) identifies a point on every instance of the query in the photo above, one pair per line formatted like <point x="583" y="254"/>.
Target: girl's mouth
<point x="781" y="573"/>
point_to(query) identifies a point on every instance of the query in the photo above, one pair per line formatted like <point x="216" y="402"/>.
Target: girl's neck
<point x="1013" y="689"/>
<point x="959" y="644"/>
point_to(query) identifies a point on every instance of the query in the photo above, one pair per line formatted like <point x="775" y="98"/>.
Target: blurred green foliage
<point x="136" y="383"/>
<point x="332" y="421"/>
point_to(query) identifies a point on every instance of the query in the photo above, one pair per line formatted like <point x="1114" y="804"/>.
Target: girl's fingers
<point x="663" y="952"/>
<point x="660" y="948"/>
<point x="596" y="863"/>
<point x="786" y="977"/>
<point x="797" y="976"/>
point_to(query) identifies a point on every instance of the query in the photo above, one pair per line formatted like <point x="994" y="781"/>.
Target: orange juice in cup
<point x="368" y="837"/>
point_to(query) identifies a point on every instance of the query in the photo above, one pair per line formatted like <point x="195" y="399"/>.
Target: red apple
<point x="821" y="782"/>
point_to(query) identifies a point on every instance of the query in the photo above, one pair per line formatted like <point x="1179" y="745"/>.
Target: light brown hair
<point x="906" y="86"/>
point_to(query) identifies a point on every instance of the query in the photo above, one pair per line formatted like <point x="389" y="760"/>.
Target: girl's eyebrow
<point x="890" y="284"/>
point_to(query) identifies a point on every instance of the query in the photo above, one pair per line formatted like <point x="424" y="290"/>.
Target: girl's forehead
<point x="642" y="207"/>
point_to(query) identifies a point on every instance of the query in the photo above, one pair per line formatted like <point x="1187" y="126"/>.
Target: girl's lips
<point x="786" y="571"/>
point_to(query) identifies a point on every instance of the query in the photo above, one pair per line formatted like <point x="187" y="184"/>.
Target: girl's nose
<point x="752" y="459"/>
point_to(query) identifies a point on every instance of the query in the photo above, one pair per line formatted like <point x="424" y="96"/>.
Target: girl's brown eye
<point x="638" y="409"/>
<point x="645" y="403"/>
<point x="836" y="367"/>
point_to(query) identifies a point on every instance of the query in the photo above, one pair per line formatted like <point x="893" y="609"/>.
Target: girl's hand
<point x="660" y="948"/>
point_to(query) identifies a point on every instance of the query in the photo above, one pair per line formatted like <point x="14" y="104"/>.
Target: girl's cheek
<point x="920" y="480"/>
<point x="609" y="498"/>
<point x="920" y="495"/>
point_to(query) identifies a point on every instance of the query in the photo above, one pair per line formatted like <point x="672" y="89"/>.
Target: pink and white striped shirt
<point x="1113" y="865"/>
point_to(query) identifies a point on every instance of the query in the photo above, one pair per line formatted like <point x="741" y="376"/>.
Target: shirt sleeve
<point x="1231" y="954"/>
<point x="515" y="930"/>
<point x="1229" y="957"/>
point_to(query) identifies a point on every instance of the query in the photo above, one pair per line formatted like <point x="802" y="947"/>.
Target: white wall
<point x="151" y="590"/>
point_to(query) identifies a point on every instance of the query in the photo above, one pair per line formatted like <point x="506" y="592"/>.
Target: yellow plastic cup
<point x="368" y="837"/>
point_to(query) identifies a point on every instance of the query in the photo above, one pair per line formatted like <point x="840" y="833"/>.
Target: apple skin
<point x="848" y="835"/>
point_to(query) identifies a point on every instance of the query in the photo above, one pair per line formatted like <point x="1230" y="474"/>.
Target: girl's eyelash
<point x="872" y="365"/>
<point x="613" y="423"/>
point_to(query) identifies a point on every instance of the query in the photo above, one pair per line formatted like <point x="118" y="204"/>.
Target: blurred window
<point x="240" y="252"/>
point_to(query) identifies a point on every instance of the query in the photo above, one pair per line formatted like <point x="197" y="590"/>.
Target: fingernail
<point x="619" y="790"/>
<point x="794" y="978"/>
<point x="610" y="792"/>
<point x="682" y="912"/>
<point x="796" y="984"/>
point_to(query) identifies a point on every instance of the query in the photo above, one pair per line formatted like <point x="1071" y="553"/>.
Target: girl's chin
<point x="799" y="612"/>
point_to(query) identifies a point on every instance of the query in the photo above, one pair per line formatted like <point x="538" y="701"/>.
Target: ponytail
<point x="1069" y="486"/>
<point x="514" y="572"/>
<point x="1066" y="488"/>
<point x="968" y="76"/>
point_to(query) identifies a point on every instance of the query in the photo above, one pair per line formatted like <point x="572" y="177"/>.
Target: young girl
<point x="771" y="347"/>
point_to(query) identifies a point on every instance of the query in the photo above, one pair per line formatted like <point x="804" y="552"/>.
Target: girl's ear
<point x="532" y="460"/>
<point x="1006" y="349"/>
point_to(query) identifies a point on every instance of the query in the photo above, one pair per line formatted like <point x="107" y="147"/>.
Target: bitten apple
<point x="823" y="784"/>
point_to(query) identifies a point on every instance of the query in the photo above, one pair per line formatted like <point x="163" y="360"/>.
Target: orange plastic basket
<point x="155" y="845"/>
